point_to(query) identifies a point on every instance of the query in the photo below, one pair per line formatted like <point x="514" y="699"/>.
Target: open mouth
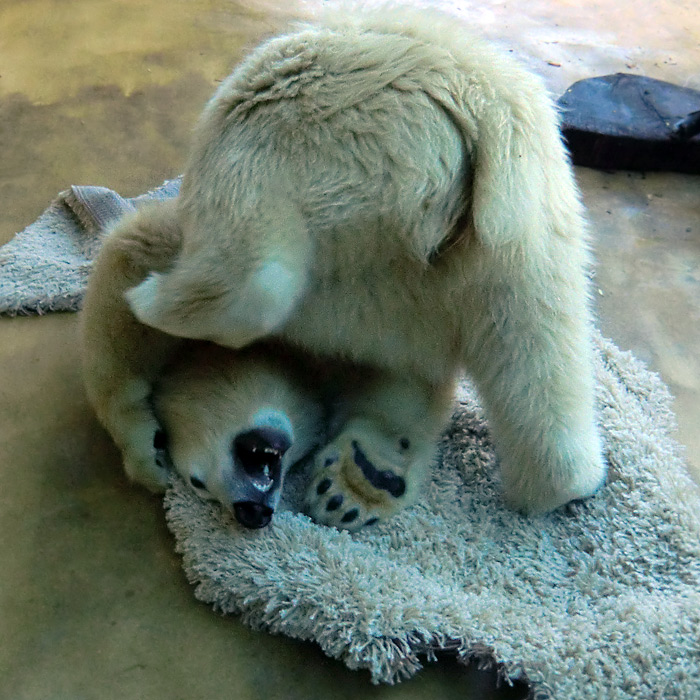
<point x="259" y="452"/>
<point x="264" y="482"/>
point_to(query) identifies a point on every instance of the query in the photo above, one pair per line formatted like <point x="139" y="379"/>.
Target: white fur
<point x="228" y="393"/>
<point x="386" y="189"/>
<point x="273" y="417"/>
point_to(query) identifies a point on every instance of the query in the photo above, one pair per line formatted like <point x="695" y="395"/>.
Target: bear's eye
<point x="197" y="483"/>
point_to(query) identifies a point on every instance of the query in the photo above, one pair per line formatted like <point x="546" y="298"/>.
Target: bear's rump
<point x="352" y="124"/>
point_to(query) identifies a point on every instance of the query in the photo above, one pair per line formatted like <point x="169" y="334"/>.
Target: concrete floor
<point x="92" y="599"/>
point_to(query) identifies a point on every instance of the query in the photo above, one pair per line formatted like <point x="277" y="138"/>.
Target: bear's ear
<point x="523" y="188"/>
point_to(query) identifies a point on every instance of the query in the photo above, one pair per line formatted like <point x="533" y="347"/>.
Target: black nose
<point x="252" y="515"/>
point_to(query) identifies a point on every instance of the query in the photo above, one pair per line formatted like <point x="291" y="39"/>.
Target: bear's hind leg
<point x="236" y="284"/>
<point x="377" y="463"/>
<point x="530" y="353"/>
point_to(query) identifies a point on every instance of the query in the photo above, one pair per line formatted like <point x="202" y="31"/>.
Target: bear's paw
<point x="358" y="482"/>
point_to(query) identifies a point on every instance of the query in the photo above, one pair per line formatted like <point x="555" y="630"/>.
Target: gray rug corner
<point x="45" y="267"/>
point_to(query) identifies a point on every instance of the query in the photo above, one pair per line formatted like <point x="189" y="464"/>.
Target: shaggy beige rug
<point x="598" y="600"/>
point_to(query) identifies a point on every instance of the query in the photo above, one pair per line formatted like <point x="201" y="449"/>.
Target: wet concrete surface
<point x="92" y="599"/>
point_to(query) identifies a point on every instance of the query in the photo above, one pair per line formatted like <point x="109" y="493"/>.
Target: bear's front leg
<point x="128" y="415"/>
<point x="122" y="357"/>
<point x="377" y="463"/>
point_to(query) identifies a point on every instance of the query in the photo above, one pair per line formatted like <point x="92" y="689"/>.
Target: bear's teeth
<point x="264" y="483"/>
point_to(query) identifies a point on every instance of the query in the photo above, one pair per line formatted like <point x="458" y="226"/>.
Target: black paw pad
<point x="371" y="521"/>
<point x="160" y="444"/>
<point x="381" y="479"/>
<point x="160" y="440"/>
<point x="404" y="443"/>
<point x="323" y="486"/>
<point x="350" y="516"/>
<point x="162" y="460"/>
<point x="197" y="483"/>
<point x="335" y="502"/>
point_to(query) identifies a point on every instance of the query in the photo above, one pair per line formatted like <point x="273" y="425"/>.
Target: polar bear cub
<point x="388" y="193"/>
